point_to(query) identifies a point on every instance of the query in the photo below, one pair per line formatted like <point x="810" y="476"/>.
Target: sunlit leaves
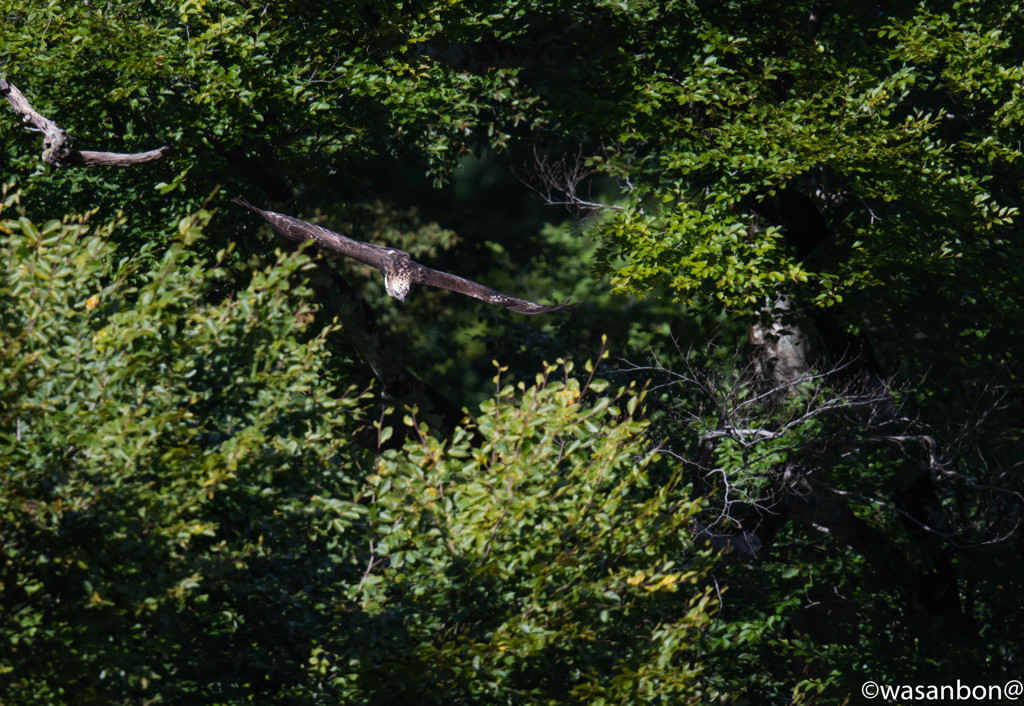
<point x="153" y="432"/>
<point x="880" y="136"/>
<point x="692" y="253"/>
<point x="537" y="530"/>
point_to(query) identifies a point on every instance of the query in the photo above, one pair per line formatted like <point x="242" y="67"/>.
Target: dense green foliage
<point x="232" y="473"/>
<point x="183" y="514"/>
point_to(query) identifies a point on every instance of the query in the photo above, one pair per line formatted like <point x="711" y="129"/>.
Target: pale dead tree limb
<point x="557" y="182"/>
<point x="56" y="143"/>
<point x="786" y="346"/>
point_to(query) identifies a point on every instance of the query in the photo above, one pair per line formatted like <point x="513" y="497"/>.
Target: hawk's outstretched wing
<point x="443" y="280"/>
<point x="294" y="229"/>
<point x="400" y="271"/>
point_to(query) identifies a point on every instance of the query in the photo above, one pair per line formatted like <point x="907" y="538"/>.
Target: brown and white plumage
<point x="400" y="271"/>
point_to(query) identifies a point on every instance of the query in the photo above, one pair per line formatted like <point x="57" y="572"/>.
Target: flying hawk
<point x="400" y="271"/>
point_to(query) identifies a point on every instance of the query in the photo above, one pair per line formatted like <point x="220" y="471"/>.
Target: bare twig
<point x="56" y="143"/>
<point x="557" y="182"/>
<point x="954" y="538"/>
<point x="784" y="427"/>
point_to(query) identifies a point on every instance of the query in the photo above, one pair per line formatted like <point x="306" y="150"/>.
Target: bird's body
<point x="400" y="271"/>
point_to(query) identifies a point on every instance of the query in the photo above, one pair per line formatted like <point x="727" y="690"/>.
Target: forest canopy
<point x="774" y="453"/>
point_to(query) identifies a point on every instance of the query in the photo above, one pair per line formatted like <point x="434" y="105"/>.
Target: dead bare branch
<point x="785" y="426"/>
<point x="56" y="143"/>
<point x="557" y="182"/>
